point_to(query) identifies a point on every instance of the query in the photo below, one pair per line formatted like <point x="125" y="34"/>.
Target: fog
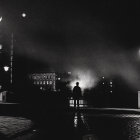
<point x="109" y="63"/>
<point x="88" y="64"/>
<point x="88" y="47"/>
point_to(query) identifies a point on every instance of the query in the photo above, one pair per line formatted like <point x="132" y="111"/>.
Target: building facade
<point x="46" y="81"/>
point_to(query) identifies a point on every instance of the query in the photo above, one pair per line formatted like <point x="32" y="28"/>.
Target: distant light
<point x="86" y="78"/>
<point x="24" y="15"/>
<point x="110" y="91"/>
<point x="89" y="137"/>
<point x="110" y="83"/>
<point x="139" y="52"/>
<point x="6" y="68"/>
<point x="103" y="83"/>
<point x="0" y="19"/>
<point x="103" y="77"/>
<point x="59" y="78"/>
<point x="69" y="73"/>
<point x="0" y="46"/>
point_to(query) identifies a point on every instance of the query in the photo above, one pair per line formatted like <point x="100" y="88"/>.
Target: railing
<point x="82" y="102"/>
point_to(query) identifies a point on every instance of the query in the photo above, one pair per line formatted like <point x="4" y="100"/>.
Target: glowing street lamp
<point x="23" y="15"/>
<point x="10" y="68"/>
<point x="6" y="68"/>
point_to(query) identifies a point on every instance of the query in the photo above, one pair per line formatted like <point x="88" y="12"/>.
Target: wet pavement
<point x="111" y="126"/>
<point x="78" y="125"/>
<point x="85" y="123"/>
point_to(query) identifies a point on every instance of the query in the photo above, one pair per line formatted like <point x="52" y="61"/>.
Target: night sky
<point x="61" y="23"/>
<point x="101" y="36"/>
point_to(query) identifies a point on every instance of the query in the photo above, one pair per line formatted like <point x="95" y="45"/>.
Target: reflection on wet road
<point x="82" y="129"/>
<point x="107" y="126"/>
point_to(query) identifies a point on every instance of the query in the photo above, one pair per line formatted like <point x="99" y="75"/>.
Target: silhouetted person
<point x="76" y="94"/>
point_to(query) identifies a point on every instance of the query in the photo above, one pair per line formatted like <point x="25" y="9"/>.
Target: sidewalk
<point x="13" y="126"/>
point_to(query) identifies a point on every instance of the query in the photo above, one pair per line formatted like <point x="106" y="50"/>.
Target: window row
<point x="43" y="82"/>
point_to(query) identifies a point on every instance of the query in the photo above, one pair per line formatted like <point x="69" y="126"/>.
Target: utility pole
<point x="11" y="58"/>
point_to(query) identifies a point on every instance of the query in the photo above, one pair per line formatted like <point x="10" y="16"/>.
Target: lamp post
<point x="11" y="58"/>
<point x="10" y="67"/>
<point x="8" y="70"/>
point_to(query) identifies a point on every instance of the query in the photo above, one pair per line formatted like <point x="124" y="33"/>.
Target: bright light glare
<point x="23" y="15"/>
<point x="0" y="19"/>
<point x="86" y="79"/>
<point x="0" y="46"/>
<point x="6" y="68"/>
<point x="139" y="52"/>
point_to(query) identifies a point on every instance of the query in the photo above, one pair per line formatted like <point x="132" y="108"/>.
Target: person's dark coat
<point x="76" y="92"/>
